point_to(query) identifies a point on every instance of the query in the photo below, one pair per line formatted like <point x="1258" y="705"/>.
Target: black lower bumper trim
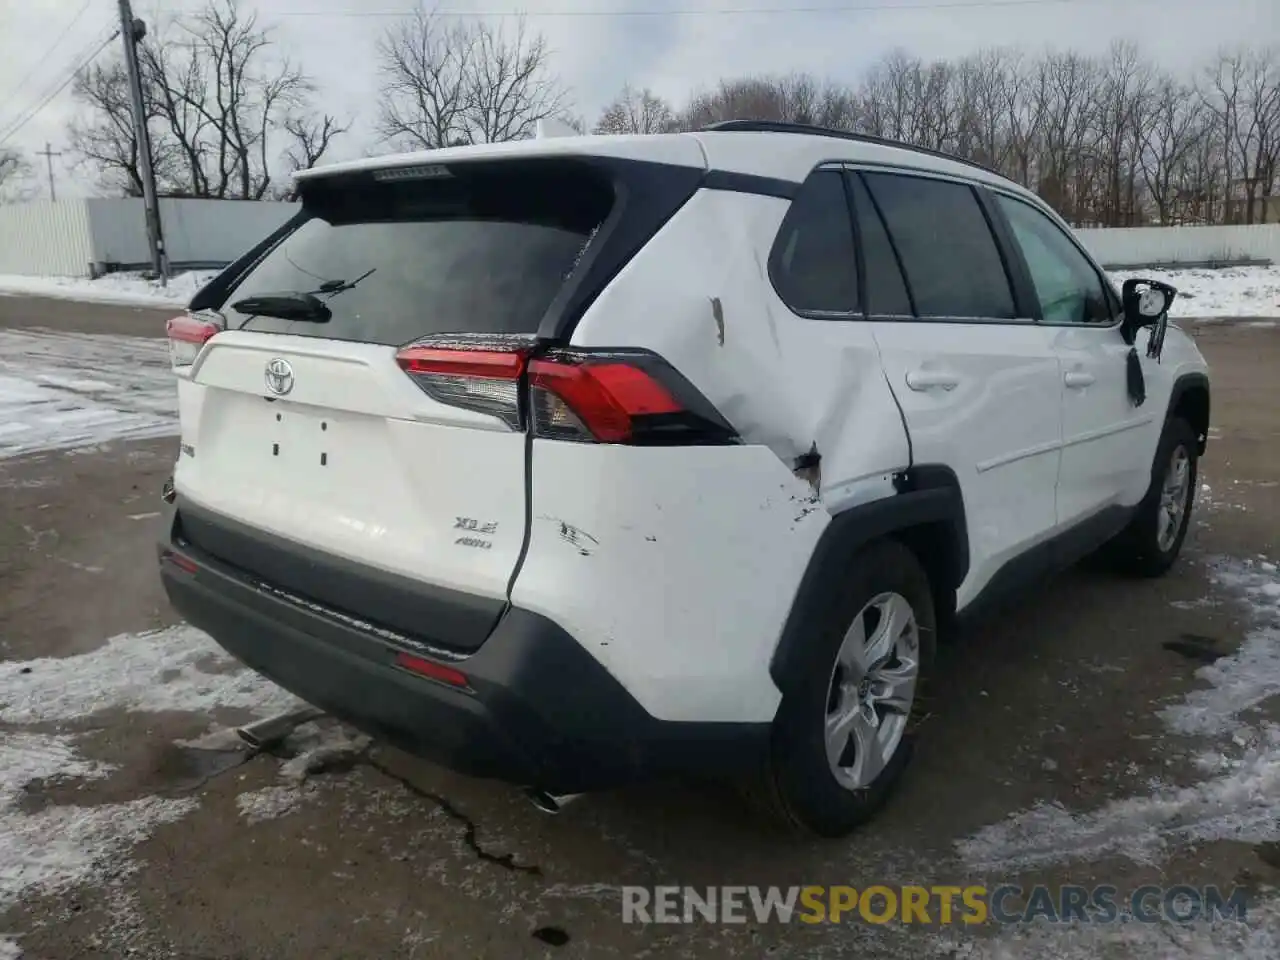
<point x="540" y="711"/>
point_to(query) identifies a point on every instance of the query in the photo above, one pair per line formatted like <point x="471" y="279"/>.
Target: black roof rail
<point x="778" y="126"/>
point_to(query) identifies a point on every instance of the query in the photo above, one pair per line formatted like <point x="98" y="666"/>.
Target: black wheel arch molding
<point x="1190" y="397"/>
<point x="927" y="513"/>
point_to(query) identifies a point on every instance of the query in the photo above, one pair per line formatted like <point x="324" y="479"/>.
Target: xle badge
<point x="467" y="523"/>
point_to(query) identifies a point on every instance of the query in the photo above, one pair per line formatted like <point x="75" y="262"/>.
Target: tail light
<point x="187" y="337"/>
<point x="618" y="396"/>
<point x="483" y="380"/>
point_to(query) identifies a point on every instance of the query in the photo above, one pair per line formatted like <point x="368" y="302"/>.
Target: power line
<point x="881" y="7"/>
<point x="27" y="117"/>
<point x="42" y="60"/>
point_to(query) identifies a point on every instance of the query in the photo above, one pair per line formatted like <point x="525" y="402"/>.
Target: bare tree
<point x="103" y="137"/>
<point x="636" y="111"/>
<point x="1257" y="132"/>
<point x="1107" y="140"/>
<point x="450" y="84"/>
<point x="796" y="98"/>
<point x="227" y="113"/>
<point x="1122" y="121"/>
<point x="14" y="171"/>
<point x="1177" y="125"/>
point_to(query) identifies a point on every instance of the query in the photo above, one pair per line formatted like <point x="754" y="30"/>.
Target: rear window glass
<point x="483" y="251"/>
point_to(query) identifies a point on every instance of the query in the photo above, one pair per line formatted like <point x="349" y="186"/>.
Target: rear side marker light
<point x="187" y="337"/>
<point x="619" y="397"/>
<point x="432" y="670"/>
<point x="184" y="564"/>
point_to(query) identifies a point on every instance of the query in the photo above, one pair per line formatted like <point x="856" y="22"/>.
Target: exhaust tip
<point x="549" y="803"/>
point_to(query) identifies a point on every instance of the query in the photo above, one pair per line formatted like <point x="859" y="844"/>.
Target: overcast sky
<point x="598" y="45"/>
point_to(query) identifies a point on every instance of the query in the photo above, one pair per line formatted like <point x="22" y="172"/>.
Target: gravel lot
<point x="1102" y="732"/>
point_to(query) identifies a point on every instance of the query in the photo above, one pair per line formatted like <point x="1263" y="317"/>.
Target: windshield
<point x="398" y="261"/>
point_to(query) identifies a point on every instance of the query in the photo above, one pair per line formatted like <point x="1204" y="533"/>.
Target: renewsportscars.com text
<point x="945" y="905"/>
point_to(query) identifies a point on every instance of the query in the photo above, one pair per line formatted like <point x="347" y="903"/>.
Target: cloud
<point x="674" y="47"/>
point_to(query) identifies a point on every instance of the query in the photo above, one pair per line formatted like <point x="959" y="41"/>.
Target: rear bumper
<point x="538" y="711"/>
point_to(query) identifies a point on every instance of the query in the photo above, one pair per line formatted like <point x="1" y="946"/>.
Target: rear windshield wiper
<point x="339" y="286"/>
<point x="284" y="306"/>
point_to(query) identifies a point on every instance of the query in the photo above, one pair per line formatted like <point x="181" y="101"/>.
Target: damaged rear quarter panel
<point x="674" y="566"/>
<point x="696" y="553"/>
<point x="700" y="296"/>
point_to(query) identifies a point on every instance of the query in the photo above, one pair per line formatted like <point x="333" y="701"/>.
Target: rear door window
<point x="485" y="251"/>
<point x="813" y="265"/>
<point x="948" y="252"/>
<point x="886" y="290"/>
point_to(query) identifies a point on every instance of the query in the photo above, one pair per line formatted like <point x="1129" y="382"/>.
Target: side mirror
<point x="1146" y="303"/>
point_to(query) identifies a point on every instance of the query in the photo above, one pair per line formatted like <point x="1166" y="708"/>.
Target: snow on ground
<point x="1259" y="939"/>
<point x="269" y="803"/>
<point x="65" y="390"/>
<point x="1213" y="294"/>
<point x="1241" y="802"/>
<point x="178" y="668"/>
<point x="1238" y="801"/>
<point x="126" y="289"/>
<point x="53" y="848"/>
<point x="56" y="847"/>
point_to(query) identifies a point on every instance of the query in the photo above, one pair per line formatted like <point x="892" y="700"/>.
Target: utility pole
<point x="48" y="154"/>
<point x="133" y="31"/>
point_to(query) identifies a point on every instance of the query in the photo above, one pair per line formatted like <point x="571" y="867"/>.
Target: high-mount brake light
<point x="187" y="337"/>
<point x="620" y="397"/>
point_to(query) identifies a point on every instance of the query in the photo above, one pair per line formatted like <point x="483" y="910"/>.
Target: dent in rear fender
<point x="699" y="295"/>
<point x="674" y="567"/>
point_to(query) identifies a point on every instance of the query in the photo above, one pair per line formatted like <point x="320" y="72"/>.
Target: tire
<point x="801" y="788"/>
<point x="1151" y="542"/>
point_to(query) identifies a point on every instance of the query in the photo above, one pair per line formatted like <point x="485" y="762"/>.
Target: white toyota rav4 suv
<point x="576" y="461"/>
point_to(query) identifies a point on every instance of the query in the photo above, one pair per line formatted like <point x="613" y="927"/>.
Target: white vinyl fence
<point x="1190" y="246"/>
<point x="72" y="237"/>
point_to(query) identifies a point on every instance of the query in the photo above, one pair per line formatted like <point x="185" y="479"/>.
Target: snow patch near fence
<point x="1206" y="294"/>
<point x="125" y="289"/>
<point x="1252" y="291"/>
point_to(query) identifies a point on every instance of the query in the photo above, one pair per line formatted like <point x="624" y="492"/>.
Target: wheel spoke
<point x="870" y="755"/>
<point x="895" y="616"/>
<point x="852" y="656"/>
<point x="840" y="726"/>
<point x="896" y="687"/>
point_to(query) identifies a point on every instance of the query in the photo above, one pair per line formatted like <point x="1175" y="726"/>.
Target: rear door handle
<point x="1078" y="379"/>
<point x="932" y="380"/>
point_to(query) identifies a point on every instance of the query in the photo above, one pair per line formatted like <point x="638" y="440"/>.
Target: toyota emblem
<point x="279" y="377"/>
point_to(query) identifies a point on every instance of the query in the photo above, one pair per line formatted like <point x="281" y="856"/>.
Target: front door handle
<point x="932" y="380"/>
<point x="1078" y="379"/>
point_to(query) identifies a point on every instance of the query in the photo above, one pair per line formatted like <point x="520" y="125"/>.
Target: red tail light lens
<point x="600" y="401"/>
<point x="626" y="397"/>
<point x="187" y="337"/>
